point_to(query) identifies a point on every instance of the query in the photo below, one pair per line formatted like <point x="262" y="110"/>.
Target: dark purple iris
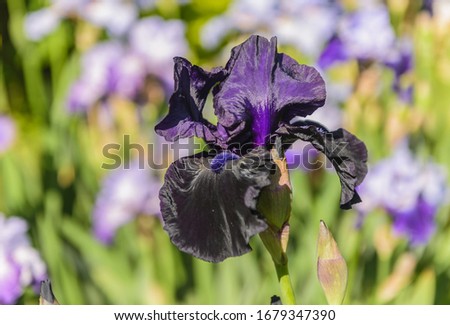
<point x="208" y="201"/>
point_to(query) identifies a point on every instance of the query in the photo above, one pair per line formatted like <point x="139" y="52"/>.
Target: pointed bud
<point x="331" y="267"/>
<point x="47" y="297"/>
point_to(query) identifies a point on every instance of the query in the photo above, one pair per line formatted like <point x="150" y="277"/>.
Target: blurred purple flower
<point x="125" y="194"/>
<point x="20" y="264"/>
<point x="7" y="132"/>
<point x="118" y="68"/>
<point x="334" y="52"/>
<point x="128" y="75"/>
<point x="103" y="13"/>
<point x="305" y="24"/>
<point x="427" y="5"/>
<point x="400" y="60"/>
<point x="409" y="190"/>
<point x="355" y="39"/>
<point x="97" y="76"/>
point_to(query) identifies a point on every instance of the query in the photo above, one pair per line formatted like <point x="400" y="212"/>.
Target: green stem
<point x="287" y="293"/>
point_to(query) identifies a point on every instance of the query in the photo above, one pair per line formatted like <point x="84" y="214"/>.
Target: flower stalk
<point x="287" y="292"/>
<point x="275" y="205"/>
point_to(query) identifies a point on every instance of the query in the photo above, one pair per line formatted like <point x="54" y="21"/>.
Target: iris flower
<point x="417" y="190"/>
<point x="355" y="40"/>
<point x="209" y="201"/>
<point x="126" y="193"/>
<point x="118" y="68"/>
<point x="21" y="265"/>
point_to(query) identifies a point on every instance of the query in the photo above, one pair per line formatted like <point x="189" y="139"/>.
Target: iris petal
<point x="299" y="89"/>
<point x="196" y="209"/>
<point x="263" y="88"/>
<point x="185" y="119"/>
<point x="346" y="152"/>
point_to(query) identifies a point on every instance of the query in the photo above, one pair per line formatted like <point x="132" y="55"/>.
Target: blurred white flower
<point x="41" y="23"/>
<point x="116" y="16"/>
<point x="125" y="194"/>
<point x="305" y="24"/>
<point x="20" y="264"/>
<point x="158" y="41"/>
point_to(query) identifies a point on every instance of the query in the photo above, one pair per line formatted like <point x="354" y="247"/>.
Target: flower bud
<point x="331" y="267"/>
<point x="274" y="204"/>
<point x="274" y="201"/>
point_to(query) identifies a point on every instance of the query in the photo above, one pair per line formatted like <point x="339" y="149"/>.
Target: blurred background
<point x="78" y="75"/>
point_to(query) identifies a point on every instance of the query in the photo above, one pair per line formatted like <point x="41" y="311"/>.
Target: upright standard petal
<point x="346" y="152"/>
<point x="185" y="119"/>
<point x="195" y="204"/>
<point x="263" y="88"/>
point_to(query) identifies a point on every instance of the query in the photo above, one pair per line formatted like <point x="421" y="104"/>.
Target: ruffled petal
<point x="245" y="96"/>
<point x="346" y="152"/>
<point x="298" y="88"/>
<point x="185" y="119"/>
<point x="212" y="215"/>
<point x="263" y="88"/>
